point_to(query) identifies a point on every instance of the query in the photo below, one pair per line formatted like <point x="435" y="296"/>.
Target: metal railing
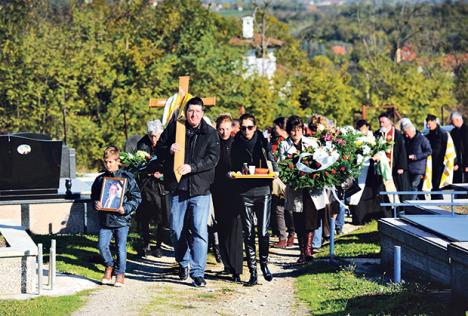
<point x="450" y="203"/>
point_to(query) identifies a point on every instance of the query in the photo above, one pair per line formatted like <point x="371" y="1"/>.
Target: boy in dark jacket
<point x="115" y="223"/>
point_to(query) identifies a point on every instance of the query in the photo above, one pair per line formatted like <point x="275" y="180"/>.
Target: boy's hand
<point x="121" y="210"/>
<point x="98" y="205"/>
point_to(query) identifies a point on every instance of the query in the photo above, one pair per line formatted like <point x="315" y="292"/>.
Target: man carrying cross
<point x="189" y="184"/>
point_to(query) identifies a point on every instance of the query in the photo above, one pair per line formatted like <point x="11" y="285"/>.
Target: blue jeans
<point x="189" y="229"/>
<point x="340" y="218"/>
<point x="415" y="181"/>
<point x="317" y="241"/>
<point x="120" y="234"/>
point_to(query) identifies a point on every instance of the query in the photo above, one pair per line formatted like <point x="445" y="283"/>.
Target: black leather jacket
<point x="132" y="199"/>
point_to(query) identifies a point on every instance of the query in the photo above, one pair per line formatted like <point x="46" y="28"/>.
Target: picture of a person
<point x="112" y="200"/>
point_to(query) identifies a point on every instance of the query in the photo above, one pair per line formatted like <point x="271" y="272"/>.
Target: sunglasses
<point x="250" y="128"/>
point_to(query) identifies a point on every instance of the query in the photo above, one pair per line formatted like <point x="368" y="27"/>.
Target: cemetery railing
<point x="394" y="205"/>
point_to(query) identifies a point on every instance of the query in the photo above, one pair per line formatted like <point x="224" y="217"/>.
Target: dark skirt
<point x="229" y="228"/>
<point x="154" y="205"/>
<point x="309" y="219"/>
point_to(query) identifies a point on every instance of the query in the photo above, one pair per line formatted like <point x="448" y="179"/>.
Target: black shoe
<point x="183" y="272"/>
<point x="253" y="279"/>
<point x="199" y="282"/>
<point x="236" y="278"/>
<point x="266" y="272"/>
<point x="226" y="271"/>
<point x="157" y="252"/>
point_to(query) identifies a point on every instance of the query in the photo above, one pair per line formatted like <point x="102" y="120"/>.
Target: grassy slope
<point x="338" y="290"/>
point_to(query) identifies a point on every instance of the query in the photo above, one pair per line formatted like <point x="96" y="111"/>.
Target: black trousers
<point x="259" y="207"/>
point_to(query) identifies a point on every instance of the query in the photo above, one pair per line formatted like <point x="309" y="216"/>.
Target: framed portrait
<point x="112" y="193"/>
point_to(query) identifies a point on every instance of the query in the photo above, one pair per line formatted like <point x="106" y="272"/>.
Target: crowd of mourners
<point x="202" y="206"/>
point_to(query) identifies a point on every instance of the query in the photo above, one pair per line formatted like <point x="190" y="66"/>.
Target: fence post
<point x="39" y="269"/>
<point x="397" y="264"/>
<point x="52" y="262"/>
<point x="332" y="239"/>
<point x="394" y="206"/>
<point x="451" y="203"/>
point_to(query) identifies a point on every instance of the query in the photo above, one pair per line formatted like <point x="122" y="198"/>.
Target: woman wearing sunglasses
<point x="252" y="148"/>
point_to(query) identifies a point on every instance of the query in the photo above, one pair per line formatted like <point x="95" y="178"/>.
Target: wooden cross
<point x="179" y="157"/>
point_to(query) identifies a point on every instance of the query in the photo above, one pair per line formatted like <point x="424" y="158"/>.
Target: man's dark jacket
<point x="421" y="148"/>
<point x="460" y="140"/>
<point x="201" y="153"/>
<point x="132" y="199"/>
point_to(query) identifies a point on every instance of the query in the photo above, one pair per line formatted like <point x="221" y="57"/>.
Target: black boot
<point x="253" y="279"/>
<point x="217" y="253"/>
<point x="266" y="272"/>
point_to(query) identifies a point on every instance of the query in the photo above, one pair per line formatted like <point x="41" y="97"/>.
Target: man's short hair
<point x="154" y="127"/>
<point x="195" y="101"/>
<point x="407" y="125"/>
<point x="111" y="151"/>
<point x="293" y="122"/>
<point x="385" y="114"/>
<point x="431" y="117"/>
<point x="248" y="116"/>
<point x="455" y="115"/>
<point x="223" y="118"/>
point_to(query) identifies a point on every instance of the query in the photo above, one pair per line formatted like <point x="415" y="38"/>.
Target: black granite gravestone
<point x="29" y="164"/>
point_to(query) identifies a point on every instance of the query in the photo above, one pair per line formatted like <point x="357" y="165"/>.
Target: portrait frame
<point x="113" y="199"/>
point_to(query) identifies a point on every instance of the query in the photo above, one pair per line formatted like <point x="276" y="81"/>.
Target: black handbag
<point x="351" y="188"/>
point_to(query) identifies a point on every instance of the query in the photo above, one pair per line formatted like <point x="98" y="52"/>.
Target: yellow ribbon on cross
<point x="174" y="109"/>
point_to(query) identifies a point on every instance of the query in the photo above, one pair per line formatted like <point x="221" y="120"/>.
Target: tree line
<point x="84" y="72"/>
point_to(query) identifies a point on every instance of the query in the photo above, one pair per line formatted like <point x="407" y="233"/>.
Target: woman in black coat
<point x="154" y="205"/>
<point x="229" y="225"/>
<point x="252" y="148"/>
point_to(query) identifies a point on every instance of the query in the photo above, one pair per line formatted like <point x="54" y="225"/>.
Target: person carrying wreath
<point x="306" y="215"/>
<point x="252" y="148"/>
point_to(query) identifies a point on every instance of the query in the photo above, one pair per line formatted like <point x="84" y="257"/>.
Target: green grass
<point x="51" y="306"/>
<point x="331" y="290"/>
<point x="75" y="254"/>
<point x="78" y="254"/>
<point x="338" y="290"/>
<point x="363" y="242"/>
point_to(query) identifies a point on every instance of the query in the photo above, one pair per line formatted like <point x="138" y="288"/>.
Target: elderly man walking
<point x="190" y="197"/>
<point x="418" y="149"/>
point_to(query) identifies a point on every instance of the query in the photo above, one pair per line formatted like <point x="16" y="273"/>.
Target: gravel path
<point x="152" y="288"/>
